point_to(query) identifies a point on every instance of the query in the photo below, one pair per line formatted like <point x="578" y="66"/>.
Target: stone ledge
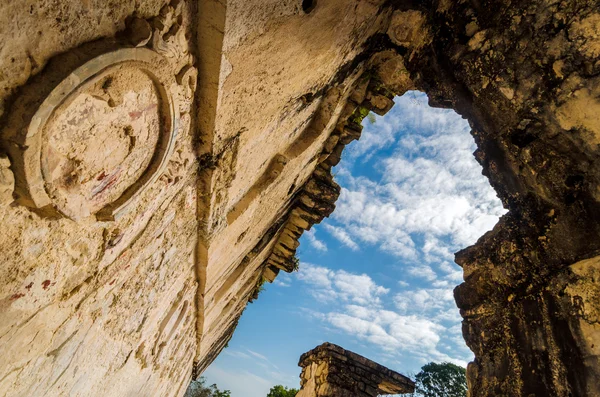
<point x="330" y="370"/>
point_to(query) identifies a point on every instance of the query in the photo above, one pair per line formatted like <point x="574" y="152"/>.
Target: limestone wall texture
<point x="159" y="161"/>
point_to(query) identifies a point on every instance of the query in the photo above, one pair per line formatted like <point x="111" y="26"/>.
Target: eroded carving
<point x="106" y="132"/>
<point x="168" y="38"/>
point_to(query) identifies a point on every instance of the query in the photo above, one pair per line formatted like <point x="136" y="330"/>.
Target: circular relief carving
<point x="103" y="135"/>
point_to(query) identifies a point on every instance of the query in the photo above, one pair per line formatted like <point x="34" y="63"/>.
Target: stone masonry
<point x="330" y="371"/>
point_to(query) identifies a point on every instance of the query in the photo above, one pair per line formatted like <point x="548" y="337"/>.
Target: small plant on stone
<point x="260" y="287"/>
<point x="295" y="263"/>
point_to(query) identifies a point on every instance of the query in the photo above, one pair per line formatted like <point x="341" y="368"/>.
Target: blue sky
<point x="377" y="276"/>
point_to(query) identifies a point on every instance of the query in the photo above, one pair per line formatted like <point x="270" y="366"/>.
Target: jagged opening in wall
<point x="412" y="194"/>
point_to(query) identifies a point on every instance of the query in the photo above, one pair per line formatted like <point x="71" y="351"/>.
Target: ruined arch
<point x="244" y="181"/>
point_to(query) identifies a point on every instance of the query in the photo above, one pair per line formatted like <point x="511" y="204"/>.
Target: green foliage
<point x="260" y="287"/>
<point x="359" y="114"/>
<point x="280" y="391"/>
<point x="441" y="380"/>
<point x="295" y="263"/>
<point x="198" y="388"/>
<point x="219" y="393"/>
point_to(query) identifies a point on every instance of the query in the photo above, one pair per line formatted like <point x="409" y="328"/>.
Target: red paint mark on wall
<point x="28" y="287"/>
<point x="106" y="182"/>
<point x="137" y="114"/>
<point x="16" y="296"/>
<point x="112" y="282"/>
<point x="46" y="284"/>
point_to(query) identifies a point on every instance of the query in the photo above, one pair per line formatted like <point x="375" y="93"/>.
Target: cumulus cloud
<point x="341" y="286"/>
<point x="343" y="237"/>
<point x="418" y="322"/>
<point x="425" y="300"/>
<point x="429" y="187"/>
<point x="314" y="241"/>
<point x="422" y="271"/>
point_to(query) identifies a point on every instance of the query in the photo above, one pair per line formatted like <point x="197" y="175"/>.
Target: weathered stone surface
<point x="7" y="182"/>
<point x="331" y="371"/>
<point x="96" y="299"/>
<point x="131" y="246"/>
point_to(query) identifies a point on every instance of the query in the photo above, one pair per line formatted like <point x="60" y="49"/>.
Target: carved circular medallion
<point x="103" y="135"/>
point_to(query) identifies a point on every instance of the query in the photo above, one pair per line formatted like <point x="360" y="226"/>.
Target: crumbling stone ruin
<point x="158" y="160"/>
<point x="331" y="371"/>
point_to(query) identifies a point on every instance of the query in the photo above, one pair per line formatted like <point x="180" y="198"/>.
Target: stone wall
<point x="331" y="371"/>
<point x="159" y="161"/>
<point x="97" y="252"/>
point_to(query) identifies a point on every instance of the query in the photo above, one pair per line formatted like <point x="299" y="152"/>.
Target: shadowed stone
<point x="331" y="371"/>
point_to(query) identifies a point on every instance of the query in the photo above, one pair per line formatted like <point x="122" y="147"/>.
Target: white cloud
<point x="314" y="241"/>
<point x="440" y="283"/>
<point x="425" y="300"/>
<point x="320" y="279"/>
<point x="283" y="280"/>
<point x="434" y="249"/>
<point x="257" y="355"/>
<point x="339" y="285"/>
<point x="235" y="353"/>
<point x="398" y="334"/>
<point x="281" y="283"/>
<point x="342" y="236"/>
<point x="231" y="374"/>
<point x="431" y="198"/>
<point x="422" y="271"/>
<point x="419" y="325"/>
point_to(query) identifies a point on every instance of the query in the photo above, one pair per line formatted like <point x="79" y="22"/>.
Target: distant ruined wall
<point x="331" y="371"/>
<point x="158" y="161"/>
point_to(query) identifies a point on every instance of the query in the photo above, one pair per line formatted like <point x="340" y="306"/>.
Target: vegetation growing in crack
<point x="260" y="287"/>
<point x="359" y="114"/>
<point x="295" y="263"/>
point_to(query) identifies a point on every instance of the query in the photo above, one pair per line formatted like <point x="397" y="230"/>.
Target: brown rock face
<point x="330" y="371"/>
<point x="158" y="161"/>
